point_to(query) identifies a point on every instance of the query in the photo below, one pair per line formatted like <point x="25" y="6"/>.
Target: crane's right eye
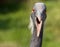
<point x="33" y="10"/>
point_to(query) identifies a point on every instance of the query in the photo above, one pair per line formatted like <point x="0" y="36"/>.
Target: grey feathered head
<point x="40" y="10"/>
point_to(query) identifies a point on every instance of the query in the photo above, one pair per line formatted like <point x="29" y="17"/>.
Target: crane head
<point x="39" y="11"/>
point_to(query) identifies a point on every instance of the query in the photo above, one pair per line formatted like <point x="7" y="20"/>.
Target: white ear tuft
<point x="31" y="26"/>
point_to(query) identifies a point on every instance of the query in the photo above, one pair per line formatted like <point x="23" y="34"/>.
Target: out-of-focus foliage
<point x="11" y="1"/>
<point x="7" y="6"/>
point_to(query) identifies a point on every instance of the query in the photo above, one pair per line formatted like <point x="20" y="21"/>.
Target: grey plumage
<point x="39" y="11"/>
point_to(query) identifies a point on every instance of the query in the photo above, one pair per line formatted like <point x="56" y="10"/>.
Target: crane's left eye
<point x="44" y="11"/>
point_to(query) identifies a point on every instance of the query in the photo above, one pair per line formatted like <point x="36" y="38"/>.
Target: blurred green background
<point x="14" y="20"/>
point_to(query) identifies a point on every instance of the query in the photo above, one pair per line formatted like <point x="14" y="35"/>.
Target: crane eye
<point x="44" y="11"/>
<point x="33" y="10"/>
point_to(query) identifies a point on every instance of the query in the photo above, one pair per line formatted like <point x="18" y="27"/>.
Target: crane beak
<point x="38" y="25"/>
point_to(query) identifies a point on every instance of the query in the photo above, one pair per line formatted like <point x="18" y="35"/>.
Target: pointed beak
<point x="38" y="25"/>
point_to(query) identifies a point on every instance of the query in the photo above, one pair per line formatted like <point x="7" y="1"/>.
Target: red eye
<point x="33" y="10"/>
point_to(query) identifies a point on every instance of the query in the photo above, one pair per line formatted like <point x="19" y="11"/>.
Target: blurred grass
<point x="52" y="26"/>
<point x="14" y="26"/>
